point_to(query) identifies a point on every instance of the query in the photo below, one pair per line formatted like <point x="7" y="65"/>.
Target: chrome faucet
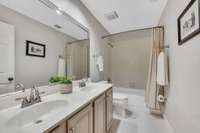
<point x="20" y="87"/>
<point x="82" y="83"/>
<point x="33" y="98"/>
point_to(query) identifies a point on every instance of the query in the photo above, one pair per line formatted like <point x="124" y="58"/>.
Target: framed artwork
<point x="35" y="49"/>
<point x="188" y="22"/>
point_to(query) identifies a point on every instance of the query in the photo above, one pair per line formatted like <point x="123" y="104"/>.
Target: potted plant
<point x="54" y="80"/>
<point x="66" y="85"/>
<point x="64" y="82"/>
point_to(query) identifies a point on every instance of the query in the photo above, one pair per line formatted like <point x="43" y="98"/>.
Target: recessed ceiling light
<point x="59" y="12"/>
<point x="60" y="9"/>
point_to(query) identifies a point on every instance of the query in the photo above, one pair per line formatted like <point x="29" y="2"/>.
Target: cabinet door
<point x="82" y="122"/>
<point x="100" y="115"/>
<point x="62" y="128"/>
<point x="109" y="109"/>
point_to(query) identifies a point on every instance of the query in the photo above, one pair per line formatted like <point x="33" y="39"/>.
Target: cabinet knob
<point x="10" y="79"/>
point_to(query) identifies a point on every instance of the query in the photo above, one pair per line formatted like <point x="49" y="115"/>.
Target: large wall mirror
<point x="37" y="41"/>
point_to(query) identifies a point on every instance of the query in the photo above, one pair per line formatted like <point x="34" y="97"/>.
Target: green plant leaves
<point x="60" y="80"/>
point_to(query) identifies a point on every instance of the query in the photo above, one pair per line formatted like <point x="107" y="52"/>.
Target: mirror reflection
<point x="36" y="46"/>
<point x="78" y="59"/>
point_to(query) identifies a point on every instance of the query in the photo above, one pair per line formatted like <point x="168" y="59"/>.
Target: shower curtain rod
<point x="110" y="35"/>
<point x="77" y="41"/>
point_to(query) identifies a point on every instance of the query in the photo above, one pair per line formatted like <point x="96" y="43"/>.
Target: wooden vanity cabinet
<point x="82" y="122"/>
<point x="109" y="109"/>
<point x="100" y="114"/>
<point x="95" y="118"/>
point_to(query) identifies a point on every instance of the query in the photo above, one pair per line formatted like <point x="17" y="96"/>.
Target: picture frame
<point x="189" y="22"/>
<point x="35" y="49"/>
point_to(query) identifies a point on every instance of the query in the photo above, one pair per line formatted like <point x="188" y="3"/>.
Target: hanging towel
<point x="162" y="69"/>
<point x="61" y="67"/>
<point x="100" y="63"/>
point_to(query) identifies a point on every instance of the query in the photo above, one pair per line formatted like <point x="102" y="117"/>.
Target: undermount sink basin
<point x="36" y="114"/>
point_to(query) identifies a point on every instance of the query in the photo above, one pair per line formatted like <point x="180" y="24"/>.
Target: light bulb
<point x="59" y="12"/>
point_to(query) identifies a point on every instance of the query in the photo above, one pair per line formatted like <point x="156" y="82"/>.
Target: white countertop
<point x="74" y="102"/>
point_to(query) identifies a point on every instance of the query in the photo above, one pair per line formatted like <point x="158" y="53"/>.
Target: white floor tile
<point x="141" y="121"/>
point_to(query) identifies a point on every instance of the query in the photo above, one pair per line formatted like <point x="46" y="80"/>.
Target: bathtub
<point x="130" y="91"/>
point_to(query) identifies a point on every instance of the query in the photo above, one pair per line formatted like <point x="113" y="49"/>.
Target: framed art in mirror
<point x="35" y="49"/>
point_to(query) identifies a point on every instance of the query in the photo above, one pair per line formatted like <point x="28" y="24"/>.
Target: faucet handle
<point x="37" y="96"/>
<point x="34" y="87"/>
<point x="20" y="86"/>
<point x="25" y="102"/>
<point x="32" y="95"/>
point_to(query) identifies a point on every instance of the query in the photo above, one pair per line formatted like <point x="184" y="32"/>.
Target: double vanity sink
<point x="57" y="112"/>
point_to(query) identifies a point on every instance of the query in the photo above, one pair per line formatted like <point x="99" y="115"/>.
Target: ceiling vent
<point x="112" y="16"/>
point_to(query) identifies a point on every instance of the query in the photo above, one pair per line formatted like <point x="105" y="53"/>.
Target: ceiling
<point x="133" y="14"/>
<point x="38" y="11"/>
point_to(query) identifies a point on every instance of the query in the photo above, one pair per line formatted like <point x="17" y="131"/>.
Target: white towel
<point x="100" y="63"/>
<point x="162" y="69"/>
<point x="61" y="67"/>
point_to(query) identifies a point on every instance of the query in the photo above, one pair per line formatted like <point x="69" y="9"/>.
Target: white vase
<point x="66" y="88"/>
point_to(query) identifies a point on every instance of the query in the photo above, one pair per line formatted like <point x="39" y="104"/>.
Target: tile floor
<point x="140" y="121"/>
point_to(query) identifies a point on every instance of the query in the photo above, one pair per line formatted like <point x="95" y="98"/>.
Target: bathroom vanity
<point x="86" y="110"/>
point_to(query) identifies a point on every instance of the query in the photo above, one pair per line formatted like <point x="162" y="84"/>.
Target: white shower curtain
<point x="77" y="60"/>
<point x="152" y="89"/>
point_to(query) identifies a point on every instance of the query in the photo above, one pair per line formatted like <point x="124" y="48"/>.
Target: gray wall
<point x="130" y="59"/>
<point x="182" y="107"/>
<point x="34" y="70"/>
